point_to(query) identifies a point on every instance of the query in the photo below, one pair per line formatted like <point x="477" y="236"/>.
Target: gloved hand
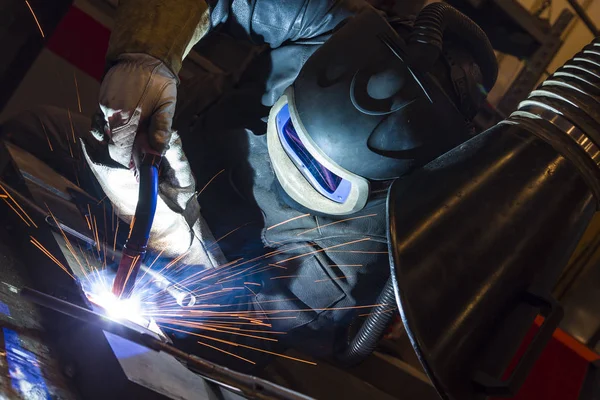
<point x="137" y="102"/>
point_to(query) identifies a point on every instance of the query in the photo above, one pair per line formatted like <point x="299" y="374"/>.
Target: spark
<point x="131" y="226"/>
<point x="76" y="176"/>
<point x="211" y="179"/>
<point x="202" y="325"/>
<point x="16" y="212"/>
<point x="97" y="236"/>
<point x="229" y="233"/>
<point x="330" y="279"/>
<point x="41" y="247"/>
<point x="220" y="331"/>
<point x="67" y="242"/>
<point x="238" y="273"/>
<point x="77" y="91"/>
<point x="249" y="313"/>
<point x="3" y="196"/>
<point x="277" y="266"/>
<point x="18" y="206"/>
<point x="101" y="200"/>
<point x="72" y="128"/>
<point x="47" y="137"/>
<point x="70" y="148"/>
<point x="115" y="241"/>
<point x="35" y="17"/>
<point x="378" y="312"/>
<point x="323" y="249"/>
<point x="149" y="267"/>
<point x="226" y="352"/>
<point x="252" y="283"/>
<point x="288" y="220"/>
<point x="288" y="276"/>
<point x="176" y="260"/>
<point x="344" y="265"/>
<point x="131" y="268"/>
<point x="336" y="222"/>
<point x="257" y="349"/>
<point x="263" y="269"/>
<point x="359" y="252"/>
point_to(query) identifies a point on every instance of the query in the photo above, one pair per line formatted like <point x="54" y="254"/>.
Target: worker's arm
<point x="138" y="95"/>
<point x="164" y="29"/>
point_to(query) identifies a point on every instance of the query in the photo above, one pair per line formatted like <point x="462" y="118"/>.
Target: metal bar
<point x="250" y="386"/>
<point x="535" y="66"/>
<point x="585" y="18"/>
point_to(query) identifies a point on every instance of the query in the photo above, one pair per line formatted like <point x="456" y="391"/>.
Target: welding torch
<point x="137" y="242"/>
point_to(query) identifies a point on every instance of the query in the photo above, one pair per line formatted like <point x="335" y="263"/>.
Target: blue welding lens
<point x="322" y="179"/>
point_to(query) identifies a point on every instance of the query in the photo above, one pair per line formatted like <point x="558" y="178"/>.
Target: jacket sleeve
<point x="168" y="29"/>
<point x="277" y="22"/>
<point x="165" y="29"/>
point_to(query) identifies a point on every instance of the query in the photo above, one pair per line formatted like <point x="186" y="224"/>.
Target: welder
<point x="339" y="105"/>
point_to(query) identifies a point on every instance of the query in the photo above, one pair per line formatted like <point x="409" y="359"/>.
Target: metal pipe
<point x="183" y="296"/>
<point x="250" y="386"/>
<point x="585" y="18"/>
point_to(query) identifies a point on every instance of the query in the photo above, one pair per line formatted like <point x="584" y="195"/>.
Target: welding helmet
<point x="358" y="115"/>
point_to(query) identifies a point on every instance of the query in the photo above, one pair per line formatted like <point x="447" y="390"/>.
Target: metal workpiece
<point x="182" y="296"/>
<point x="503" y="213"/>
<point x="250" y="386"/>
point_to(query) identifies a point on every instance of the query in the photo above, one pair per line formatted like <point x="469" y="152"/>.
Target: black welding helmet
<point x="358" y="113"/>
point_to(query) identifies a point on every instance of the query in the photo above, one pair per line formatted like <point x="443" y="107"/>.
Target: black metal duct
<point x="479" y="236"/>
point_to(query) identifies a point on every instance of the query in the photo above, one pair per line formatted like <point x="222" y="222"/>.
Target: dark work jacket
<point x="320" y="266"/>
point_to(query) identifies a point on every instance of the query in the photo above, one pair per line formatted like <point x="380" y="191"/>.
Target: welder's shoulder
<point x="275" y="22"/>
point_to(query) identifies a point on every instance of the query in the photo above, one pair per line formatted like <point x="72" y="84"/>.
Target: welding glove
<point x="137" y="102"/>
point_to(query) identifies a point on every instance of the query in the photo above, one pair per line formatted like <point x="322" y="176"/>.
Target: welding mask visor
<point x="306" y="174"/>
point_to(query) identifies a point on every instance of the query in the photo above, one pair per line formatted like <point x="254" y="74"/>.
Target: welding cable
<point x="135" y="247"/>
<point x="372" y="330"/>
<point x="427" y="37"/>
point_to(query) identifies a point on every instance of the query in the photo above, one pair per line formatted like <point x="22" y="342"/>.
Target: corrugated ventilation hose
<point x="427" y="37"/>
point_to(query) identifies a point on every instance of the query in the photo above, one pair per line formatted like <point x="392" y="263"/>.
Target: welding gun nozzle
<point x="129" y="266"/>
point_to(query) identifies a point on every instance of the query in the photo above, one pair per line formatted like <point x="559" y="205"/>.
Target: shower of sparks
<point x="225" y="303"/>
<point x="35" y="17"/>
<point x="287" y="221"/>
